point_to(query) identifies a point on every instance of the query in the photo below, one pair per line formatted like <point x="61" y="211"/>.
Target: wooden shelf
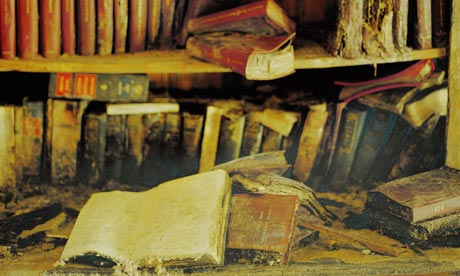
<point x="308" y="56"/>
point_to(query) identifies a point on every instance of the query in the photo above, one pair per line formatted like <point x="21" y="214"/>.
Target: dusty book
<point x="120" y="28"/>
<point x="192" y="131"/>
<point x="261" y="17"/>
<point x="100" y="87"/>
<point x="400" y="23"/>
<point x="137" y="26"/>
<point x="423" y="28"/>
<point x="256" y="57"/>
<point x="8" y="29"/>
<point x="104" y="27"/>
<point x="114" y="146"/>
<point x="33" y="130"/>
<point x="378" y="28"/>
<point x="210" y="140"/>
<point x="419" y="197"/>
<point x="154" y="129"/>
<point x="170" y="229"/>
<point x="7" y="144"/>
<point x="132" y="154"/>
<point x="261" y="223"/>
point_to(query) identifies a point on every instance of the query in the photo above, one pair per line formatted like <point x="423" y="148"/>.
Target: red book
<point x="27" y="12"/>
<point x="120" y="9"/>
<point x="50" y="28"/>
<point x="68" y="26"/>
<point x="8" y="29"/>
<point x="104" y="27"/>
<point x="86" y="24"/>
<point x="137" y="25"/>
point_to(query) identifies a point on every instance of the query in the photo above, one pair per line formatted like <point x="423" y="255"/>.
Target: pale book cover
<point x="182" y="222"/>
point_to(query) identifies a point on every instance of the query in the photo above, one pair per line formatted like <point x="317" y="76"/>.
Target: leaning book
<point x="182" y="222"/>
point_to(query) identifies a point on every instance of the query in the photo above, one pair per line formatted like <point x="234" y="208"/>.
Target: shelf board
<point x="307" y="56"/>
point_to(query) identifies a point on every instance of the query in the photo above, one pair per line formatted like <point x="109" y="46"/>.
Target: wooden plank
<point x="453" y="126"/>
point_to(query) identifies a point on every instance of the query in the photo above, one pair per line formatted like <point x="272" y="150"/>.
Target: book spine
<point x="310" y="139"/>
<point x="7" y="153"/>
<point x="137" y="25"/>
<point x="271" y="140"/>
<point x="440" y="11"/>
<point x="377" y="129"/>
<point x="114" y="148"/>
<point x="33" y="138"/>
<point x="153" y="22"/>
<point x="170" y="147"/>
<point x="120" y="8"/>
<point x="252" y="135"/>
<point x="423" y="33"/>
<point x="210" y="139"/>
<point x="154" y="130"/>
<point x="105" y="27"/>
<point x="132" y="160"/>
<point x="433" y="156"/>
<point x="400" y="23"/>
<point x="93" y="148"/>
<point x="19" y="150"/>
<point x="68" y="27"/>
<point x="192" y="132"/>
<point x="65" y="140"/>
<point x="230" y="137"/>
<point x="50" y="28"/>
<point x="8" y="29"/>
<point x="86" y="26"/>
<point x="350" y="130"/>
<point x="350" y="28"/>
<point x="168" y="8"/>
<point x="27" y="20"/>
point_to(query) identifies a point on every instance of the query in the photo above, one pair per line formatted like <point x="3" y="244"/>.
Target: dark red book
<point x="168" y="8"/>
<point x="86" y="25"/>
<point x="137" y="25"/>
<point x="27" y="20"/>
<point x="50" y="28"/>
<point x="8" y="29"/>
<point x="68" y="26"/>
<point x="104" y="27"/>
<point x="120" y="11"/>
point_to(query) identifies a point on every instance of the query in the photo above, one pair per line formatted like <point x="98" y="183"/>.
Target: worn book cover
<point x="7" y="144"/>
<point x="68" y="27"/>
<point x="230" y="137"/>
<point x="400" y="23"/>
<point x="121" y="18"/>
<point x="86" y="27"/>
<point x="423" y="26"/>
<point x="378" y="28"/>
<point x="174" y="224"/>
<point x="168" y="9"/>
<point x="33" y="135"/>
<point x="252" y="135"/>
<point x="132" y="156"/>
<point x="192" y="131"/>
<point x="153" y="22"/>
<point x="8" y="29"/>
<point x="210" y="140"/>
<point x="137" y="26"/>
<point x="28" y="26"/>
<point x="105" y="27"/>
<point x="50" y="28"/>
<point x="19" y="144"/>
<point x="261" y="222"/>
<point x="115" y="145"/>
<point x="170" y="150"/>
<point x="154" y="129"/>
<point x="419" y="197"/>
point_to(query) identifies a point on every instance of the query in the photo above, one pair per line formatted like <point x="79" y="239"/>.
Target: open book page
<point x="179" y="222"/>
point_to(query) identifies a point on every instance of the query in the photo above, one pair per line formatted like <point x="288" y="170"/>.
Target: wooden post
<point x="453" y="127"/>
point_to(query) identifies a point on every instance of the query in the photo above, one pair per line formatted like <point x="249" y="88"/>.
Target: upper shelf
<point x="307" y="56"/>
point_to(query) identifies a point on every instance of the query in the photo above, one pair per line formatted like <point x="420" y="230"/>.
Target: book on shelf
<point x="86" y="27"/>
<point x="264" y="17"/>
<point x="170" y="150"/>
<point x="261" y="223"/>
<point x="33" y="136"/>
<point x="192" y="131"/>
<point x="19" y="144"/>
<point x="91" y="165"/>
<point x="140" y="108"/>
<point x="230" y="133"/>
<point x="137" y="26"/>
<point x="154" y="129"/>
<point x="157" y="228"/>
<point x="168" y="10"/>
<point x="440" y="22"/>
<point x="120" y="18"/>
<point x="423" y="28"/>
<point x="7" y="148"/>
<point x="65" y="138"/>
<point x="210" y="140"/>
<point x="68" y="27"/>
<point x="8" y="29"/>
<point x="400" y="23"/>
<point x="419" y="197"/>
<point x="50" y="28"/>
<point x="115" y="146"/>
<point x="252" y="134"/>
<point x="153" y="22"/>
<point x="27" y="29"/>
<point x="377" y="28"/>
<point x="99" y="87"/>
<point x="132" y="156"/>
<point x="105" y="27"/>
<point x="256" y="57"/>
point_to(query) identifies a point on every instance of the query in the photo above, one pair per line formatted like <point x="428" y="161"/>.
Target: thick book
<point x="264" y="223"/>
<point x="86" y="27"/>
<point x="256" y="57"/>
<point x="105" y="27"/>
<point x="65" y="139"/>
<point x="8" y="29"/>
<point x="264" y="17"/>
<point x="50" y="28"/>
<point x="33" y="134"/>
<point x="28" y="26"/>
<point x="174" y="224"/>
<point x="91" y="167"/>
<point x="114" y="146"/>
<point x="7" y="152"/>
<point x="68" y="27"/>
<point x="121" y="18"/>
<point x="153" y="22"/>
<point x="137" y="26"/>
<point x="419" y="197"/>
<point x="100" y="87"/>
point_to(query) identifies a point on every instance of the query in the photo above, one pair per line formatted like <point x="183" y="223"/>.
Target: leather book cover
<point x="8" y="29"/>
<point x="105" y="27"/>
<point x="86" y="26"/>
<point x="50" y="28"/>
<point x="121" y="18"/>
<point x="137" y="27"/>
<point x="27" y="20"/>
<point x="68" y="27"/>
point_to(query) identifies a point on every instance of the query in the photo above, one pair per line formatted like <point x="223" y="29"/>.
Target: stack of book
<point x="422" y="209"/>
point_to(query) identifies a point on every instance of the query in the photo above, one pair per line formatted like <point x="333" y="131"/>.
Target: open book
<point x="182" y="222"/>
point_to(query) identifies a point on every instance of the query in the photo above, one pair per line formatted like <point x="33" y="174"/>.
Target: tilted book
<point x="182" y="222"/>
<point x="256" y="57"/>
<point x="419" y="197"/>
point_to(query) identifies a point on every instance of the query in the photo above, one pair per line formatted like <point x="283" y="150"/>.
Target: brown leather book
<point x="27" y="12"/>
<point x="120" y="10"/>
<point x="168" y="8"/>
<point x="104" y="27"/>
<point x="8" y="29"/>
<point x="153" y="24"/>
<point x="68" y="26"/>
<point x="50" y="28"/>
<point x="137" y="27"/>
<point x="86" y="26"/>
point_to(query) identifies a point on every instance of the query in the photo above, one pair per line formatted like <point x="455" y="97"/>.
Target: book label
<point x="64" y="84"/>
<point x="85" y="85"/>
